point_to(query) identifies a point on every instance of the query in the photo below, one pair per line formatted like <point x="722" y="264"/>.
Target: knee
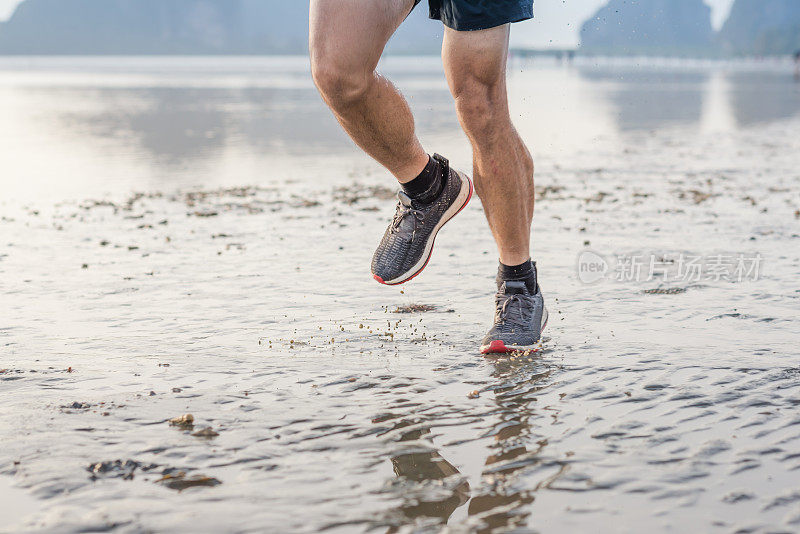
<point x="481" y="106"/>
<point x="339" y="86"/>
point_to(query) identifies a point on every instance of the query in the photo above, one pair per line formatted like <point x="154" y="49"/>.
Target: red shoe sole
<point x="498" y="347"/>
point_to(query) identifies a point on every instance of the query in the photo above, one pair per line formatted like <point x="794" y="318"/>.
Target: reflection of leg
<point x="501" y="506"/>
<point x="501" y="510"/>
<point x="347" y="40"/>
<point x="421" y="467"/>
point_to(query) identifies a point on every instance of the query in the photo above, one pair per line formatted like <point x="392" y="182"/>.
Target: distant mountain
<point x="106" y="27"/>
<point x="649" y="27"/>
<point x="762" y="27"/>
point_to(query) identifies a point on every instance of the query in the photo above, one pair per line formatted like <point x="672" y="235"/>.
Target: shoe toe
<point x="390" y="258"/>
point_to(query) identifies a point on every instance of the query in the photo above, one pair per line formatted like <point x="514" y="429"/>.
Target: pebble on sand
<point x="184" y="421"/>
<point x="180" y="481"/>
<point x="207" y="432"/>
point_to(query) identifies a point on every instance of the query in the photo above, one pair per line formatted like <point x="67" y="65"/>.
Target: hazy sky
<point x="6" y="7"/>
<point x="557" y="22"/>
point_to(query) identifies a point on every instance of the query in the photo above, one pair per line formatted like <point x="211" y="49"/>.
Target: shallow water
<point x="234" y="286"/>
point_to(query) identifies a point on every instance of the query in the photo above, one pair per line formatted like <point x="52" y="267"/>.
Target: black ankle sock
<point x="525" y="272"/>
<point x="426" y="187"/>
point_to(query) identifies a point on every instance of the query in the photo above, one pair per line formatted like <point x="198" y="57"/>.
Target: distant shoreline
<point x="517" y="54"/>
<point x="523" y="53"/>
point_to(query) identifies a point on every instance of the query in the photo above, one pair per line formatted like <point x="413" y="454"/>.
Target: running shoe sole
<point x="454" y="210"/>
<point x="498" y="347"/>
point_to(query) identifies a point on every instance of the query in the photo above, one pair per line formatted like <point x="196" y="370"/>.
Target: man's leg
<point x="475" y="64"/>
<point x="347" y="40"/>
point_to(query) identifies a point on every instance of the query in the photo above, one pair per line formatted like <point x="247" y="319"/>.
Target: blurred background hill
<point x="656" y="27"/>
<point x="202" y="27"/>
<point x="762" y="27"/>
<point x="684" y="28"/>
<point x="76" y="27"/>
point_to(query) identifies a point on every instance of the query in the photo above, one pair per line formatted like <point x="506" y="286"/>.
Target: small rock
<point x="207" y="432"/>
<point x="184" y="421"/>
<point x="78" y="406"/>
<point x="180" y="481"/>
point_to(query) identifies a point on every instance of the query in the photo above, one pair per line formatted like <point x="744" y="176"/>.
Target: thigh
<point x="475" y="57"/>
<point x="353" y="33"/>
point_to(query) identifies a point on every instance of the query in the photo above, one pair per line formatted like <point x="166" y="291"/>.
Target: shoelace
<point x="404" y="211"/>
<point x="504" y="309"/>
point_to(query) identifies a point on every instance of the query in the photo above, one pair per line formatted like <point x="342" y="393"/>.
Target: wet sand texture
<point x="321" y="400"/>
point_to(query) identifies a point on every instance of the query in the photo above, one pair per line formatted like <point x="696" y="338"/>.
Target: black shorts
<point x="470" y="15"/>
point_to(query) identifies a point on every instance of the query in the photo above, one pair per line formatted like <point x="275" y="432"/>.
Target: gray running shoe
<point x="518" y="320"/>
<point x="407" y="245"/>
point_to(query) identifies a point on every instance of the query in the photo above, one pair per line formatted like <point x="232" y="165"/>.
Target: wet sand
<point x="215" y="271"/>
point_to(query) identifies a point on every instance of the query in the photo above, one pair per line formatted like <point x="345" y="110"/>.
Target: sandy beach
<point x="193" y="236"/>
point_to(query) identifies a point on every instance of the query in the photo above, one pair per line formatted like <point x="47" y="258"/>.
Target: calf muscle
<point x="347" y="38"/>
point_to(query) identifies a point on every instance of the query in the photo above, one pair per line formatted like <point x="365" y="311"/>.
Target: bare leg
<point x="475" y="64"/>
<point x="347" y="40"/>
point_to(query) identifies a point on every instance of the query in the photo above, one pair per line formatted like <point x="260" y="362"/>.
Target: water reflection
<point x="504" y="502"/>
<point x="83" y="127"/>
<point x="175" y="126"/>
<point x="762" y="98"/>
<point x="651" y="99"/>
<point x="418" y="468"/>
<point x="431" y="488"/>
